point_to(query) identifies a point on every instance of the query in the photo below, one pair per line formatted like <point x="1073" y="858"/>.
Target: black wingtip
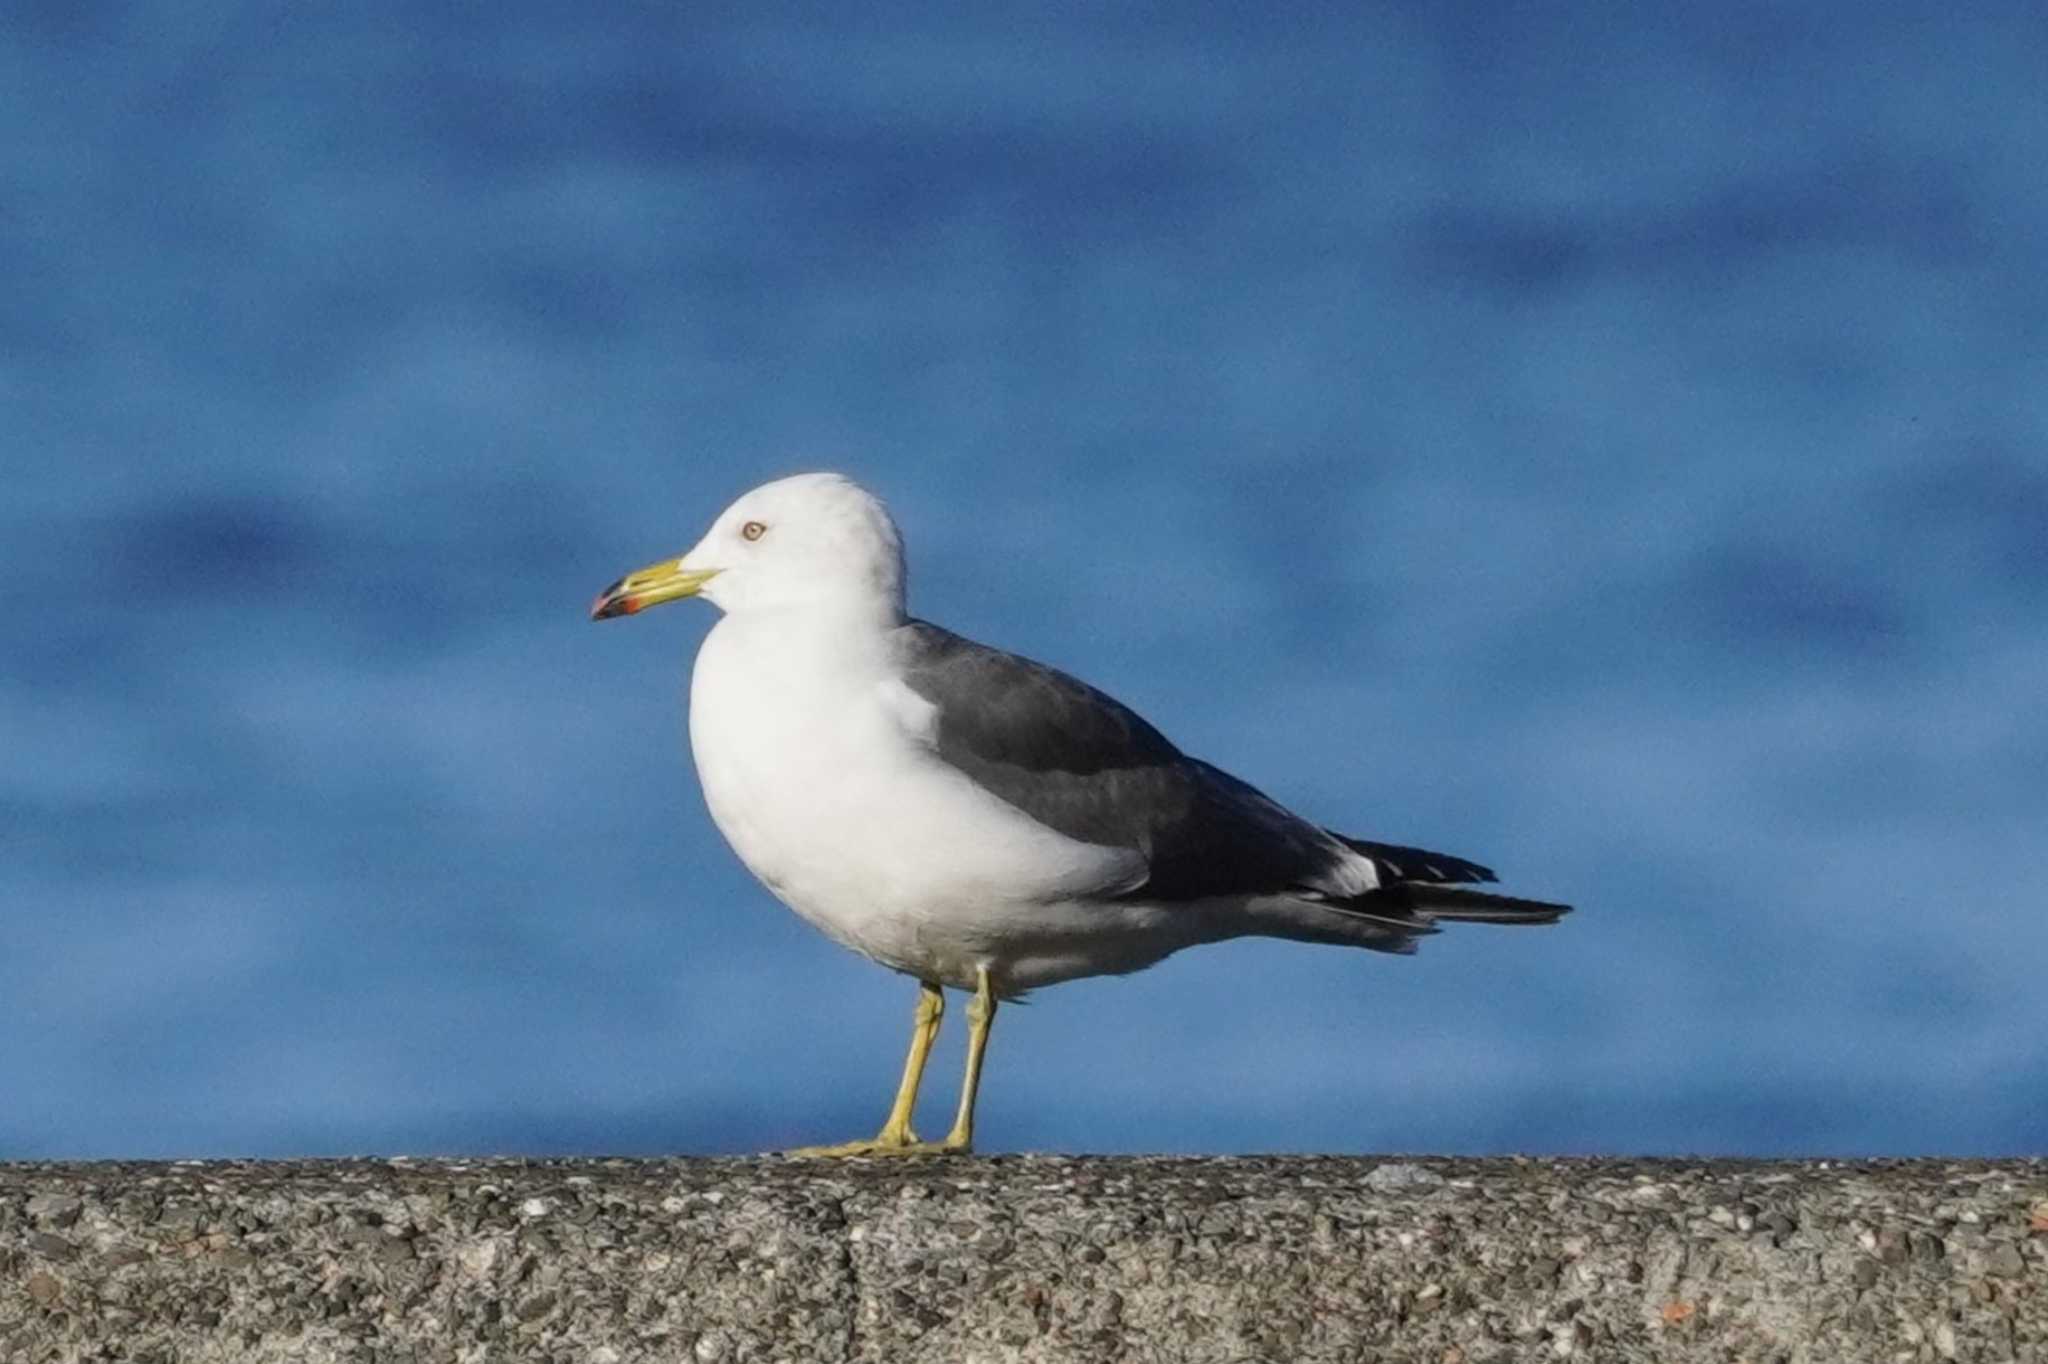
<point x="1454" y="905"/>
<point x="1399" y="863"/>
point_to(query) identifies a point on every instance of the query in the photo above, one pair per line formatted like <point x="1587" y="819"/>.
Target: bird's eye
<point x="753" y="530"/>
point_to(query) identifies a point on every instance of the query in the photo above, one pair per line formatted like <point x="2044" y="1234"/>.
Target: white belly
<point x="820" y="785"/>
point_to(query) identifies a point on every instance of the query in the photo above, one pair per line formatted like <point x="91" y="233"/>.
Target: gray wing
<point x="1084" y="764"/>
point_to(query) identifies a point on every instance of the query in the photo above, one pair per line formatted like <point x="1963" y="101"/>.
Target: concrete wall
<point x="1030" y="1258"/>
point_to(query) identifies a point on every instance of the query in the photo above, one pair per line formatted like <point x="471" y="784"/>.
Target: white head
<point x="813" y="540"/>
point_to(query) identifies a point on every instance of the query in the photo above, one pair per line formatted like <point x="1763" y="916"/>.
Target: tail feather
<point x="1418" y="887"/>
<point x="1418" y="891"/>
<point x="1394" y="918"/>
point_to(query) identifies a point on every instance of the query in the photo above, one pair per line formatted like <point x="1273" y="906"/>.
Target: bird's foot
<point x="886" y="1144"/>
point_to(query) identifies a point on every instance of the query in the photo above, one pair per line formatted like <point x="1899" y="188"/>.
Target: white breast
<point x="815" y="765"/>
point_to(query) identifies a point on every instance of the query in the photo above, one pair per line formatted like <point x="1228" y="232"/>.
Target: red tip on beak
<point x="613" y="602"/>
<point x="651" y="586"/>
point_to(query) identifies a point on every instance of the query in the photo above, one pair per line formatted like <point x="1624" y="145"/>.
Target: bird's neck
<point x="846" y="628"/>
<point x="849" y="614"/>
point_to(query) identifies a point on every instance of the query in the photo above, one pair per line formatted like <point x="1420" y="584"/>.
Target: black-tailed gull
<point x="972" y="818"/>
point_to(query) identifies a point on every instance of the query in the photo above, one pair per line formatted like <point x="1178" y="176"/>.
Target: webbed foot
<point x="886" y="1144"/>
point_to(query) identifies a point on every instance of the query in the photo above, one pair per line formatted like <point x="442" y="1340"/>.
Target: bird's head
<point x="813" y="540"/>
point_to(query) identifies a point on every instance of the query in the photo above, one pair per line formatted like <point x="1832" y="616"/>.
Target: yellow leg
<point x="896" y="1138"/>
<point x="924" y="1029"/>
<point x="981" y="1016"/>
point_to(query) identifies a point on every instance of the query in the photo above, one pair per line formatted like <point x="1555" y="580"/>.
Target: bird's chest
<point x="814" y="767"/>
<point x="785" y="741"/>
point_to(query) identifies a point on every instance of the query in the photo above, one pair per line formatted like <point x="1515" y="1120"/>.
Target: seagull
<point x="972" y="818"/>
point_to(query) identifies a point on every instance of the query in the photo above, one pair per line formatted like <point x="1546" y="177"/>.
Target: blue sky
<point x="1608" y="445"/>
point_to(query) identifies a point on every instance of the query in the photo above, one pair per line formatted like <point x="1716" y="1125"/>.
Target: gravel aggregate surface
<point x="1450" y="1261"/>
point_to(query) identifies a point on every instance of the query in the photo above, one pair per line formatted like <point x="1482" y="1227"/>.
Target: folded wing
<point x="1080" y="762"/>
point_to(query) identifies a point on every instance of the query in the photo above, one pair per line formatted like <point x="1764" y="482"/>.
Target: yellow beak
<point x="650" y="586"/>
